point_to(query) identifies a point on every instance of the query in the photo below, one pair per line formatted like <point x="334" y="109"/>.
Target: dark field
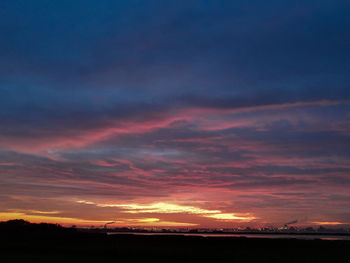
<point x="74" y="246"/>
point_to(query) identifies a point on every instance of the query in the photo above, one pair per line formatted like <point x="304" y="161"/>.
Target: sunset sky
<point x="175" y="113"/>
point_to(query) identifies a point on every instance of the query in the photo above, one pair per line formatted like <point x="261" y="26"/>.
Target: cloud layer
<point x="239" y="111"/>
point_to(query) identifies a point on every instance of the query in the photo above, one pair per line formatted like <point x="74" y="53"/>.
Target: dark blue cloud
<point x="93" y="56"/>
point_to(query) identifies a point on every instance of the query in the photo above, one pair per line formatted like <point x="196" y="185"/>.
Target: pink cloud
<point x="202" y="117"/>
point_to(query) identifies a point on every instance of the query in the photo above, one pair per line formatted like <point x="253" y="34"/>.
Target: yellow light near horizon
<point x="167" y="208"/>
<point x="231" y="216"/>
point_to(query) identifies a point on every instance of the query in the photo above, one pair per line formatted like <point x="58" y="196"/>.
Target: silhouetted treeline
<point x="22" y="227"/>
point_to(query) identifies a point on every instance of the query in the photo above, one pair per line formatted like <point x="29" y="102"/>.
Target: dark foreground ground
<point x="75" y="246"/>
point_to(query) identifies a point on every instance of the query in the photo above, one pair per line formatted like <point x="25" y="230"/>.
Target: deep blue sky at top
<point x="64" y="55"/>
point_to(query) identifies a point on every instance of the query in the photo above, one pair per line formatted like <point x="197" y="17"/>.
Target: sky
<point x="206" y="113"/>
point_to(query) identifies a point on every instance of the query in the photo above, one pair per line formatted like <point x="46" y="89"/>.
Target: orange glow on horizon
<point x="46" y="219"/>
<point x="329" y="223"/>
<point x="5" y="216"/>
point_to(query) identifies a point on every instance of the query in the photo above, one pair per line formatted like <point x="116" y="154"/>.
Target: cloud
<point x="201" y="118"/>
<point x="214" y="106"/>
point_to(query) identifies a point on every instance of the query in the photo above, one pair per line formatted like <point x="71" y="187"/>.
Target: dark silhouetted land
<point x="25" y="242"/>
